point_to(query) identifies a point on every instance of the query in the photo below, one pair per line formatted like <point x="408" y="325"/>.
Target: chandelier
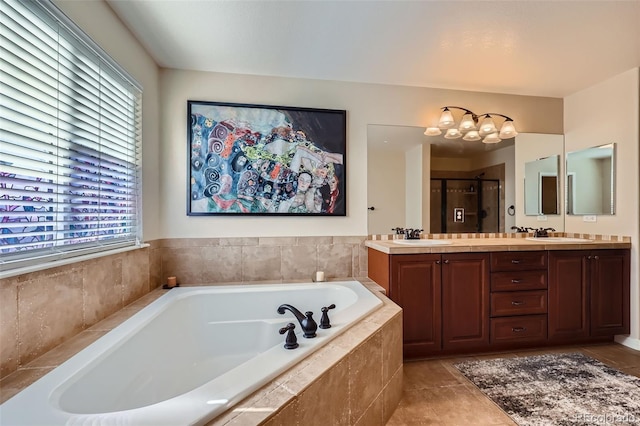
<point x="469" y="130"/>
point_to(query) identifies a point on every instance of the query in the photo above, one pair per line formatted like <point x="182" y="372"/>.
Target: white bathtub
<point x="187" y="357"/>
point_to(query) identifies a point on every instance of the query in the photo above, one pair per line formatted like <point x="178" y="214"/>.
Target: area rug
<point x="557" y="389"/>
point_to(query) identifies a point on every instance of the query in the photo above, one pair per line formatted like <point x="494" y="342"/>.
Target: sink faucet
<point x="307" y="323"/>
<point x="520" y="228"/>
<point x="399" y="231"/>
<point x="412" y="234"/>
<point x="542" y="232"/>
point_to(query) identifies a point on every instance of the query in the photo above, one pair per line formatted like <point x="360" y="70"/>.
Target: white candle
<point x="172" y="281"/>
<point x="319" y="276"/>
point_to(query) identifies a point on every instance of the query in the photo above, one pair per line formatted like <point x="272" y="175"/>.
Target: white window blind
<point x="70" y="133"/>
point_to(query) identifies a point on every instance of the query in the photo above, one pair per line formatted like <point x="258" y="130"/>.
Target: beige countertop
<point x="483" y="244"/>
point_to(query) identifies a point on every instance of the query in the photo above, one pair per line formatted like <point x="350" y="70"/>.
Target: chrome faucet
<point x="307" y="323"/>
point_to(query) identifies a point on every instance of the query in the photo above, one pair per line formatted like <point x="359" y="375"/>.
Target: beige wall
<point x="604" y="113"/>
<point x="365" y="104"/>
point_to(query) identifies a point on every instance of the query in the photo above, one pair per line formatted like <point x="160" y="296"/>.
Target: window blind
<point x="70" y="136"/>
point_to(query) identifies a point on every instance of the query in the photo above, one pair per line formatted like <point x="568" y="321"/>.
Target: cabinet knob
<point x="437" y="262"/>
<point x="596" y="257"/>
<point x="517" y="303"/>
<point x="516" y="281"/>
<point x="446" y="261"/>
<point x="515" y="261"/>
<point x="518" y="329"/>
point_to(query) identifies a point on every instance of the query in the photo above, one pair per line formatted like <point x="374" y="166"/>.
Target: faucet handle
<point x="291" y="341"/>
<point x="324" y="320"/>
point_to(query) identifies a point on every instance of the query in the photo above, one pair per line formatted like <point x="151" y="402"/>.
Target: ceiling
<point x="539" y="48"/>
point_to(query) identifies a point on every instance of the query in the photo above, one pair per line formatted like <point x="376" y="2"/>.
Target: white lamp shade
<point x="491" y="138"/>
<point x="446" y="120"/>
<point x="467" y="123"/>
<point x="452" y="134"/>
<point x="487" y="126"/>
<point x="472" y="135"/>
<point x="508" y="130"/>
<point x="432" y="131"/>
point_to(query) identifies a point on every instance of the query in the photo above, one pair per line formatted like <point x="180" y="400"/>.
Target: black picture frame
<point x="247" y="159"/>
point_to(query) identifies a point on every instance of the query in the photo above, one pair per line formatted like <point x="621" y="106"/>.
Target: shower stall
<point x="461" y="205"/>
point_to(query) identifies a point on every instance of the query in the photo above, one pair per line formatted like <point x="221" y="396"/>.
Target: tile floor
<point x="436" y="393"/>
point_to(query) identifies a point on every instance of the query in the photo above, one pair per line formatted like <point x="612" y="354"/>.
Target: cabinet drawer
<point x="518" y="260"/>
<point x="518" y="303"/>
<point x="519" y="280"/>
<point x="512" y="329"/>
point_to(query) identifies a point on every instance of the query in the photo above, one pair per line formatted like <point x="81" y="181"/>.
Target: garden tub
<point x="187" y="357"/>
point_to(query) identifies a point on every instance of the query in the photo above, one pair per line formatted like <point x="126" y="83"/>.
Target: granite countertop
<point x="488" y="244"/>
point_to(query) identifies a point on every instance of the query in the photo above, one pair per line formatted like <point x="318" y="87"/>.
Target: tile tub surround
<point x="354" y="380"/>
<point x="43" y="309"/>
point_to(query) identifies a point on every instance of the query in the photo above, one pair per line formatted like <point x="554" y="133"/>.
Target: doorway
<point x="465" y="205"/>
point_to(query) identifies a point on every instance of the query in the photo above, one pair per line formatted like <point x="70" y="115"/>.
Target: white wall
<point x="530" y="147"/>
<point x="604" y="113"/>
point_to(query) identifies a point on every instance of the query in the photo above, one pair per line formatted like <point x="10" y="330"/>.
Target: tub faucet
<point x="291" y="342"/>
<point x="324" y="320"/>
<point x="307" y="323"/>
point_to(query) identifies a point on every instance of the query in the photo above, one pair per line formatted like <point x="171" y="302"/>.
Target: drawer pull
<point x="516" y="281"/>
<point x="517" y="303"/>
<point x="519" y="329"/>
<point x="515" y="261"/>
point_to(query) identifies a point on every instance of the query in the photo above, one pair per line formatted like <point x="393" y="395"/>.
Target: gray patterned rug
<point x="557" y="389"/>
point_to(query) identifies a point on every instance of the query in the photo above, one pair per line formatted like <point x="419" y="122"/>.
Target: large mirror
<point x="409" y="175"/>
<point x="590" y="180"/>
<point x="541" y="186"/>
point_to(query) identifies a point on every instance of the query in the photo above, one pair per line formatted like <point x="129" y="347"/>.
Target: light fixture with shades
<point x="471" y="128"/>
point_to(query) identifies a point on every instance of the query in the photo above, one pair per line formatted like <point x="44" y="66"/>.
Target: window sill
<point x="68" y="261"/>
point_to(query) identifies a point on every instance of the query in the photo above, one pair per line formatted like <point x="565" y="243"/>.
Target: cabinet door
<point x="465" y="300"/>
<point x="415" y="286"/>
<point x="609" y="275"/>
<point x="568" y="295"/>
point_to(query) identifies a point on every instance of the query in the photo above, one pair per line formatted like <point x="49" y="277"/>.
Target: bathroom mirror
<point x="590" y="180"/>
<point x="399" y="171"/>
<point x="541" y="186"/>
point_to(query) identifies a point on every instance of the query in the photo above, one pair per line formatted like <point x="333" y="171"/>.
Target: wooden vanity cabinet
<point x="415" y="285"/>
<point x="518" y="297"/>
<point x="588" y="294"/>
<point x="465" y="302"/>
<point x="445" y="301"/>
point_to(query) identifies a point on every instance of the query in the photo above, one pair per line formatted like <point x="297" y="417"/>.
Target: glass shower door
<point x="465" y="205"/>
